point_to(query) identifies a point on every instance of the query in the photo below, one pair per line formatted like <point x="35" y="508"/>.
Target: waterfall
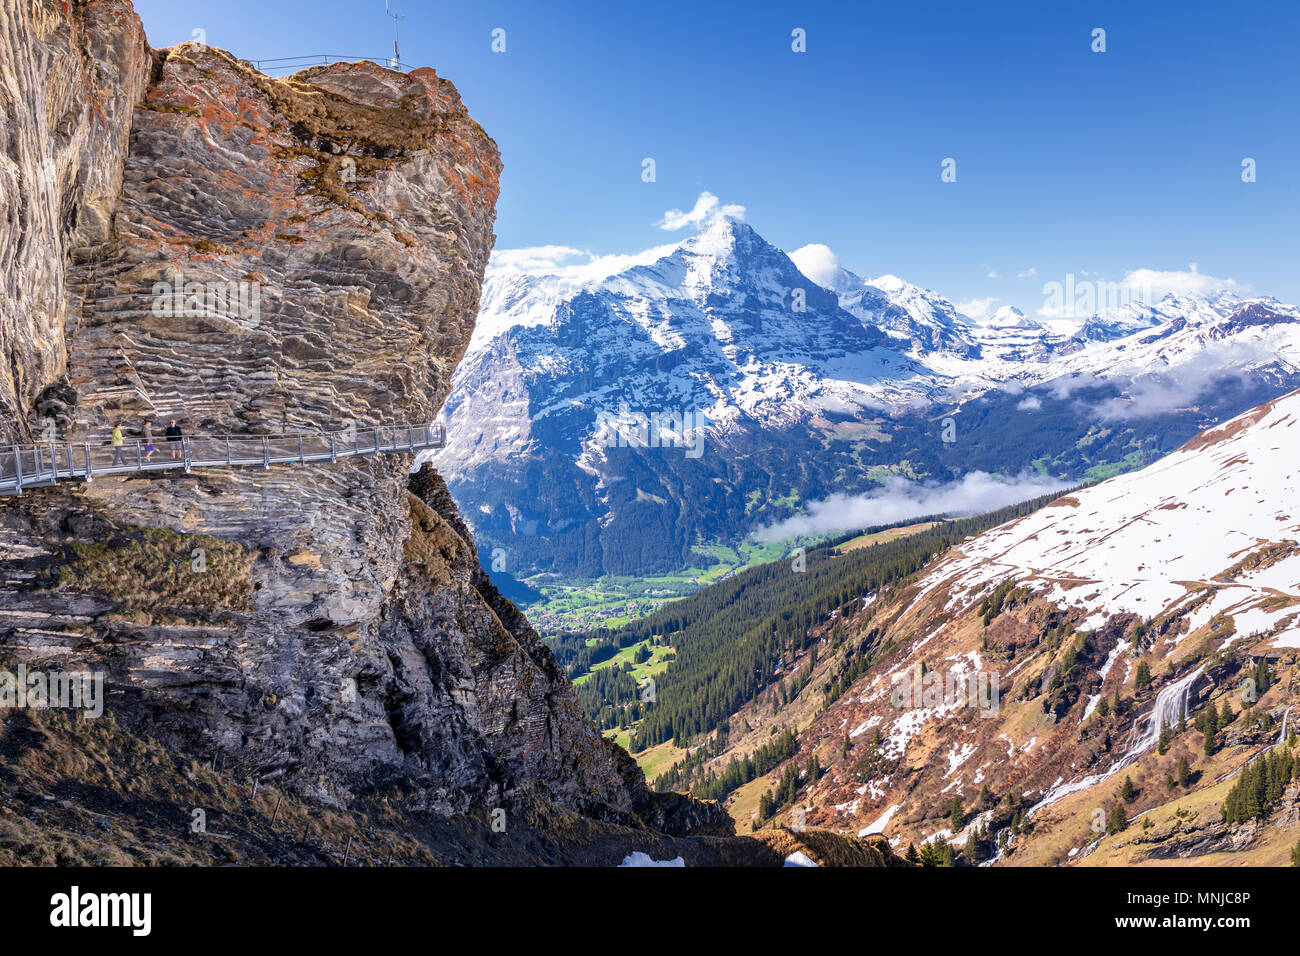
<point x="1170" y="706"/>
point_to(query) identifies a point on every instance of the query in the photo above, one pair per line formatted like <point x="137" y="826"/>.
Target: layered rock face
<point x="70" y="83"/>
<point x="283" y="255"/>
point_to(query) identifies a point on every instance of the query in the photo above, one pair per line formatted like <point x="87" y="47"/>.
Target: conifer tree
<point x="1143" y="679"/>
<point x="956" y="816"/>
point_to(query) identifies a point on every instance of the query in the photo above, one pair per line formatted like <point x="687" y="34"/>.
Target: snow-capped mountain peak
<point x="1009" y="317"/>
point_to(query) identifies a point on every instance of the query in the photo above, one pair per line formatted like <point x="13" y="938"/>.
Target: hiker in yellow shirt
<point x="115" y="440"/>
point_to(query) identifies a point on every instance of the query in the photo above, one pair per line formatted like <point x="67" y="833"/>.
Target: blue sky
<point x="1067" y="161"/>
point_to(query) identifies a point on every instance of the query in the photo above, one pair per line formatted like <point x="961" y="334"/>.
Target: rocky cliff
<point x="185" y="238"/>
<point x="70" y="82"/>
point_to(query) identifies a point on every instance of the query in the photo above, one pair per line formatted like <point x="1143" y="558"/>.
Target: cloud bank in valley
<point x="900" y="500"/>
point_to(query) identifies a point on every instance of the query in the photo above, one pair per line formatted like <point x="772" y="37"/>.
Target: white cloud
<point x="1079" y="297"/>
<point x="706" y="209"/>
<point x="531" y="259"/>
<point x="978" y="309"/>
<point x="818" y="263"/>
<point x="555" y="260"/>
<point x="1192" y="282"/>
<point x="993" y="274"/>
<point x="1027" y="273"/>
<point x="901" y="500"/>
<point x="1030" y="403"/>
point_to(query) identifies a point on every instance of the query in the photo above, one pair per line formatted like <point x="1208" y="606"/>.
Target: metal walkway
<point x="293" y="64"/>
<point x="35" y="466"/>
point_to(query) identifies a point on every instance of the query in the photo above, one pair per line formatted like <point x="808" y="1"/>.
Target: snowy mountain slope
<point x="792" y="392"/>
<point x="1216" y="524"/>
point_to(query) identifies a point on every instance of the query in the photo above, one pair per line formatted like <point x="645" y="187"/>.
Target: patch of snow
<point x="643" y="859"/>
<point x="881" y="822"/>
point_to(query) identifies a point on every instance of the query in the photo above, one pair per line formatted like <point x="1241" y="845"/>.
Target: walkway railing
<point x="30" y="466"/>
<point x="293" y="64"/>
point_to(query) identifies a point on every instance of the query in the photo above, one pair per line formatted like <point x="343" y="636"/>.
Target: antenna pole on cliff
<point x="397" y="57"/>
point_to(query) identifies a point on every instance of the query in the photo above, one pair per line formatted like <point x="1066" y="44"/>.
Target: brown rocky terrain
<point x="325" y="630"/>
<point x="901" y="784"/>
<point x="1003" y="765"/>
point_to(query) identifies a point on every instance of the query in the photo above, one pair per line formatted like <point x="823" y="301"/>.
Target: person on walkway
<point x="116" y="441"/>
<point x="174" y="436"/>
<point x="148" y="440"/>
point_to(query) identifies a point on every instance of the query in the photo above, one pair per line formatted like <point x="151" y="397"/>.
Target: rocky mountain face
<point x="186" y="238"/>
<point x="1028" y="673"/>
<point x="69" y="81"/>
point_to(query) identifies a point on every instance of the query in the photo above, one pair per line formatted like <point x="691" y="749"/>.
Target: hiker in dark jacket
<point x="174" y="436"/>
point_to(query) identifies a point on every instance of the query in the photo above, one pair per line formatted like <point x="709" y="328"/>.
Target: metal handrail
<point x="325" y="59"/>
<point x="44" y="463"/>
